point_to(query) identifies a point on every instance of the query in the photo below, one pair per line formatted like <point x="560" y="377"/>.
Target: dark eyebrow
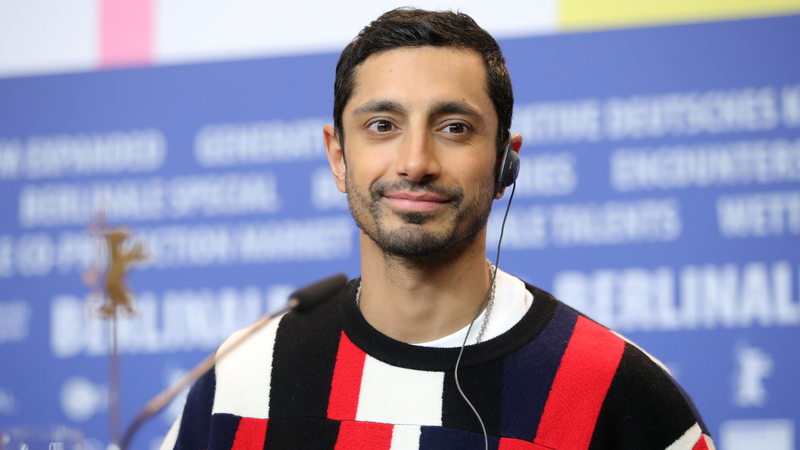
<point x="438" y="109"/>
<point x="372" y="106"/>
<point x="451" y="107"/>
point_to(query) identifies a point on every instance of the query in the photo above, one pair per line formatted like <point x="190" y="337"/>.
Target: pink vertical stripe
<point x="126" y="33"/>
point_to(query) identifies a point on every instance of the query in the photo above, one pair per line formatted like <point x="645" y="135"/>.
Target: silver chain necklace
<point x="486" y="312"/>
<point x="489" y="303"/>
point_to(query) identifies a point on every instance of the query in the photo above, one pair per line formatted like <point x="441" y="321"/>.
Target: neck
<point x="417" y="302"/>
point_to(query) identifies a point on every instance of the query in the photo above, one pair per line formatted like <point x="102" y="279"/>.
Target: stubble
<point x="412" y="245"/>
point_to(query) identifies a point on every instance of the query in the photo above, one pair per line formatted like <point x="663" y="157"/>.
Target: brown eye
<point x="381" y="126"/>
<point x="456" y="128"/>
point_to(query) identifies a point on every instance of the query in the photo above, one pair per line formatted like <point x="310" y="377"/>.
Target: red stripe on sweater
<point x="580" y="386"/>
<point x="518" y="444"/>
<point x="701" y="444"/>
<point x="250" y="435"/>
<point x="361" y="435"/>
<point x="346" y="384"/>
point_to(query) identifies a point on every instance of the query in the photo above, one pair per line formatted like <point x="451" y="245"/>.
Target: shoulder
<point x="291" y="332"/>
<point x="629" y="397"/>
<point x="645" y="407"/>
<point x="592" y="346"/>
<point x="191" y="430"/>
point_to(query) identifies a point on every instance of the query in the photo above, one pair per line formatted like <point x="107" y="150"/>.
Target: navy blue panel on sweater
<point x="529" y="374"/>
<point x="223" y="431"/>
<point x="694" y="409"/>
<point x="437" y="438"/>
<point x="196" y="421"/>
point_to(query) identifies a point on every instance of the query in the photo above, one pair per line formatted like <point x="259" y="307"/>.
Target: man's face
<point x="420" y="150"/>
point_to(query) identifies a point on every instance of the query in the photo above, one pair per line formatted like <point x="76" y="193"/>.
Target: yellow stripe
<point x="599" y="14"/>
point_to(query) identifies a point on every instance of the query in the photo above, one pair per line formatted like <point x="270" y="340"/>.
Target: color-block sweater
<point x="328" y="380"/>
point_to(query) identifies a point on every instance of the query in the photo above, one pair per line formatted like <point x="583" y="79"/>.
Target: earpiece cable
<point x="477" y="313"/>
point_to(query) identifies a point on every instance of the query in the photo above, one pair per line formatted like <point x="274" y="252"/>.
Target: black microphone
<point x="301" y="300"/>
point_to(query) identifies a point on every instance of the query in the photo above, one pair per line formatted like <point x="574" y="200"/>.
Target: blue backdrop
<point x="659" y="193"/>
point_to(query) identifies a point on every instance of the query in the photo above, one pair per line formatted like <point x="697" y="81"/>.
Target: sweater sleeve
<point x="646" y="409"/>
<point x="191" y="430"/>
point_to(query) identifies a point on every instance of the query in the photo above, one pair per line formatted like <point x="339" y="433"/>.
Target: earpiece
<point x="509" y="168"/>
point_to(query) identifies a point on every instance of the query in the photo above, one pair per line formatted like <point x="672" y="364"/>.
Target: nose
<point x="417" y="159"/>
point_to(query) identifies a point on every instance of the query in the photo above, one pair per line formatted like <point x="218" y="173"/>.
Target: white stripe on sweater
<point x="392" y="394"/>
<point x="688" y="440"/>
<point x="172" y="436"/>
<point x="405" y="437"/>
<point x="243" y="382"/>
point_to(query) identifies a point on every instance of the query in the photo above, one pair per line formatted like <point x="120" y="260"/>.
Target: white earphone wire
<point x="477" y="313"/>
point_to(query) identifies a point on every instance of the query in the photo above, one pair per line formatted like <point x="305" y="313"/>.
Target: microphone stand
<point x="302" y="300"/>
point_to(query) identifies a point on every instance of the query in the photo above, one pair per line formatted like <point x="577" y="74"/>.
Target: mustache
<point x="381" y="188"/>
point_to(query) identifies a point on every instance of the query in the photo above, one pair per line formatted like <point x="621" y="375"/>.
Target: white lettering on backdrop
<point x="199" y="245"/>
<point x="15" y="316"/>
<point x="689" y="114"/>
<point x="178" y="320"/>
<point x="227" y="194"/>
<point x="715" y="111"/>
<point x="222" y="145"/>
<point x="83" y="154"/>
<point x="705" y="165"/>
<point x="324" y="193"/>
<point x="709" y="296"/>
<point x="759" y="214"/>
<point x="547" y="174"/>
<point x="791" y="106"/>
<point x="590" y="224"/>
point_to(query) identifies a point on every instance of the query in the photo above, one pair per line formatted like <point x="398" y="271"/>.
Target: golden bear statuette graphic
<point x="119" y="262"/>
<point x="110" y="280"/>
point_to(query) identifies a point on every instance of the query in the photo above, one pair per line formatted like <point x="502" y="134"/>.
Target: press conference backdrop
<point x="659" y="193"/>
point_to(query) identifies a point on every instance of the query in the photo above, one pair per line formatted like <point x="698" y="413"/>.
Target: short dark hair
<point x="411" y="27"/>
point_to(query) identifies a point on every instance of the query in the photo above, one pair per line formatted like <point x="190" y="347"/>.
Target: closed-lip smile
<point x="415" y="201"/>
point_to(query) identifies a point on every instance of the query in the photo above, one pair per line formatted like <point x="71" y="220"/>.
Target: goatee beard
<point x="411" y="245"/>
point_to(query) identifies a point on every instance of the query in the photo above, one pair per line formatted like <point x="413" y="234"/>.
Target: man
<point x="422" y="113"/>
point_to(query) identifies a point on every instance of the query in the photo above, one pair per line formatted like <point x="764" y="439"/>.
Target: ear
<point x="335" y="153"/>
<point x="516" y="142"/>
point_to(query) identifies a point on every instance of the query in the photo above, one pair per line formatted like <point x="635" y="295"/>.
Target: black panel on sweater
<point x="301" y="433"/>
<point x="643" y="408"/>
<point x="483" y="386"/>
<point x="396" y="353"/>
<point x="196" y="422"/>
<point x="303" y="360"/>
